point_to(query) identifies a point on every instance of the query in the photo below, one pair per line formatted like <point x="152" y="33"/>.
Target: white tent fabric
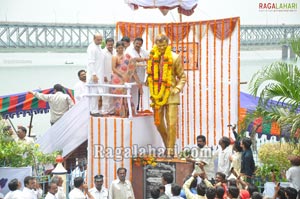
<point x="185" y="4"/>
<point x="68" y="132"/>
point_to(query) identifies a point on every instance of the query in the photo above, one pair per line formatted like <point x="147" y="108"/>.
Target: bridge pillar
<point x="285" y="49"/>
<point x="292" y="54"/>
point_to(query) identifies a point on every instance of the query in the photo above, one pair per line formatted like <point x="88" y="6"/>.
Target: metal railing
<point x="126" y="86"/>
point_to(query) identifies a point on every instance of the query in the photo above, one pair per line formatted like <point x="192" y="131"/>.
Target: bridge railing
<point x="53" y="35"/>
<point x="259" y="35"/>
<point x="39" y="35"/>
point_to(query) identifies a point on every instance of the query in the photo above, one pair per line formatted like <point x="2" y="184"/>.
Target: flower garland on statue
<point x="159" y="81"/>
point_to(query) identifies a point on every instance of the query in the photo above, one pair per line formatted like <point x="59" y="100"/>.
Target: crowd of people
<point x="119" y="188"/>
<point x="19" y="136"/>
<point x="225" y="173"/>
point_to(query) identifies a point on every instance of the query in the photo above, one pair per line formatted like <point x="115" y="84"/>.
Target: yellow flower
<point x="144" y="160"/>
<point x="159" y="88"/>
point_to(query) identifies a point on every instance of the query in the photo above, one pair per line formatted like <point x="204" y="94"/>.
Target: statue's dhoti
<point x="167" y="126"/>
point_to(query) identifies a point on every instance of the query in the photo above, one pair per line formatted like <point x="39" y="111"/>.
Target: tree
<point x="280" y="82"/>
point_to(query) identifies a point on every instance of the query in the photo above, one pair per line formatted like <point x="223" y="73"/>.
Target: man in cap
<point x="99" y="191"/>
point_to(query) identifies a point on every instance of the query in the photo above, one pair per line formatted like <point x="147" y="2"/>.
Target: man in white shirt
<point x="37" y="189"/>
<point x="28" y="192"/>
<point x="121" y="188"/>
<point x="108" y="51"/>
<point x="202" y="154"/>
<point x="95" y="72"/>
<point x="15" y="193"/>
<point x="167" y="180"/>
<point x="224" y="153"/>
<point x="80" y="88"/>
<point x="79" y="171"/>
<point x="293" y="173"/>
<point x="60" y="190"/>
<point x="59" y="102"/>
<point x="79" y="187"/>
<point x="138" y="52"/>
<point x="52" y="190"/>
<point x="99" y="192"/>
<point x="21" y="132"/>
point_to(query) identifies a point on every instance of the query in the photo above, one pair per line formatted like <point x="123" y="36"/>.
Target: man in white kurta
<point x="107" y="105"/>
<point x="80" y="88"/>
<point x="224" y="153"/>
<point x="95" y="72"/>
<point x="121" y="188"/>
<point x="137" y="52"/>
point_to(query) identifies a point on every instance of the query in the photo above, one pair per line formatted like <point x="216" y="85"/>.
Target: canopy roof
<point x="185" y="7"/>
<point x="25" y="103"/>
<point x="262" y="125"/>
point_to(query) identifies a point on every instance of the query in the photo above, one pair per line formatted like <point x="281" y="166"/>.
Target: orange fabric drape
<point x="228" y="25"/>
<point x="132" y="32"/>
<point x="177" y="31"/>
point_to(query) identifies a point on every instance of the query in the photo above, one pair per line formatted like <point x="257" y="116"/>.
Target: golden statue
<point x="166" y="79"/>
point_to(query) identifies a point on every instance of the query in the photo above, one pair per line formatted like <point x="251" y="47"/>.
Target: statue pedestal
<point x="147" y="177"/>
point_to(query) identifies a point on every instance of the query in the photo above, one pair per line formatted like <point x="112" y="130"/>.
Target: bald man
<point x="95" y="72"/>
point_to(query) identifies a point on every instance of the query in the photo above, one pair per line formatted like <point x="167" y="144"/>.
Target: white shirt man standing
<point x="21" y="132"/>
<point x="99" y="192"/>
<point x="108" y="51"/>
<point x="52" y="190"/>
<point x="121" y="188"/>
<point x="28" y="190"/>
<point x="59" y="102"/>
<point x="137" y="52"/>
<point x="80" y="88"/>
<point x="79" y="187"/>
<point x="224" y="153"/>
<point x="202" y="154"/>
<point x="95" y="72"/>
<point x="60" y="190"/>
<point x="15" y="193"/>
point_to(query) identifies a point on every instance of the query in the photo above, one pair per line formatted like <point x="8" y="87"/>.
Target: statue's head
<point x="162" y="42"/>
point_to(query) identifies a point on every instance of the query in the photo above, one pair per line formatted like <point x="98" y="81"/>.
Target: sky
<point x="112" y="11"/>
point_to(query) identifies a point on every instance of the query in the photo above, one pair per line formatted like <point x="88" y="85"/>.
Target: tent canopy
<point x="261" y="125"/>
<point x="185" y="7"/>
<point x="22" y="104"/>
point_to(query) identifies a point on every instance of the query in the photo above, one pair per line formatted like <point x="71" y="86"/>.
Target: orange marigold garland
<point x="159" y="79"/>
<point x="144" y="160"/>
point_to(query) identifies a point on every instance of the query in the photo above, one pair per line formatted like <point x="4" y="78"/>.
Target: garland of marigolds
<point x="159" y="81"/>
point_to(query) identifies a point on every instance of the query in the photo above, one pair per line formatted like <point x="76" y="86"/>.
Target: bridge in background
<point x="53" y="35"/>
